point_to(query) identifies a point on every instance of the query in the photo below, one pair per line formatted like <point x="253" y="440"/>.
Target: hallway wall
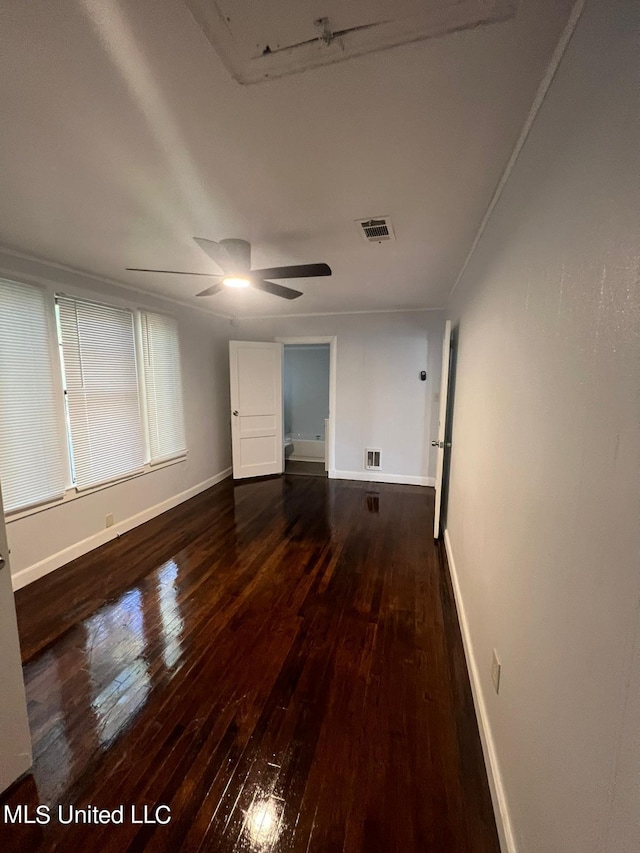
<point x="543" y="520"/>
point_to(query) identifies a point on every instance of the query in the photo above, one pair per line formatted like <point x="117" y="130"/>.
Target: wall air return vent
<point x="376" y="230"/>
<point x="372" y="459"/>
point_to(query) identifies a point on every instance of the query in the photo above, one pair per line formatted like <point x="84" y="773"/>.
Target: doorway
<point x="307" y="406"/>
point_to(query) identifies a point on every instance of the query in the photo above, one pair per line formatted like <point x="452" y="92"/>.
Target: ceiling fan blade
<point x="211" y="291"/>
<point x="174" y="272"/>
<point x="275" y="289"/>
<point x="216" y="252"/>
<point x="300" y="271"/>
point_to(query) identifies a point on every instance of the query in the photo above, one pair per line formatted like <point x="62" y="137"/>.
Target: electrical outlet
<point x="109" y="520"/>
<point x="495" y="671"/>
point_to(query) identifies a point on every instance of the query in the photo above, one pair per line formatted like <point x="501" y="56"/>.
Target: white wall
<point x="543" y="519"/>
<point x="380" y="401"/>
<point x="47" y="539"/>
<point x="306" y="389"/>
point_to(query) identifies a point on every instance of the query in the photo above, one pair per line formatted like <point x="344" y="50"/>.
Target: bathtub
<point x="306" y="448"/>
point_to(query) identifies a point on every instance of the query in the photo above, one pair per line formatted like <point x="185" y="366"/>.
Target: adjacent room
<point x="306" y="376"/>
<point x="320" y="426"/>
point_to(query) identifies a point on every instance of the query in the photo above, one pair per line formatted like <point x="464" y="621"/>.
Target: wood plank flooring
<point x="306" y="469"/>
<point x="278" y="662"/>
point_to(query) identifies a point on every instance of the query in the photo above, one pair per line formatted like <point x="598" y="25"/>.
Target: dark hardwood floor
<point x="279" y="662"/>
<point x="306" y="469"/>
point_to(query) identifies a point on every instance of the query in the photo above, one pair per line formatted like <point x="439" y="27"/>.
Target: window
<point x="32" y="467"/>
<point x="162" y="385"/>
<point x="122" y="402"/>
<point x="101" y="384"/>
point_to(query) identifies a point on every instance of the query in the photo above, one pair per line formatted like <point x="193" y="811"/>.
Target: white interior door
<point x="440" y="443"/>
<point x="15" y="739"/>
<point x="256" y="408"/>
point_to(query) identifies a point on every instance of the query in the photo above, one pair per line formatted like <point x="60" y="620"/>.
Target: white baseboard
<point x="78" y="549"/>
<point x="181" y="497"/>
<point x="55" y="561"/>
<point x="498" y="795"/>
<point x="295" y="458"/>
<point x="380" y="477"/>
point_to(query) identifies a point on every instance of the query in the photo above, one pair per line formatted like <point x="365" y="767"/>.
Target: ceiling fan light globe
<point x="235" y="281"/>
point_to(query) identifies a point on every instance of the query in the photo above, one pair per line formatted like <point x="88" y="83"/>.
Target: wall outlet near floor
<point x="109" y="520"/>
<point x="495" y="671"/>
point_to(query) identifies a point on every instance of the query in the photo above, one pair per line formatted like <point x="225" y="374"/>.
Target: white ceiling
<point x="123" y="136"/>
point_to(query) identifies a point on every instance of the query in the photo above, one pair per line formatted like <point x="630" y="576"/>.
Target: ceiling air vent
<point x="378" y="230"/>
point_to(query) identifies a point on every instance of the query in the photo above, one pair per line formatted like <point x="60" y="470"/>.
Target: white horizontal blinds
<point x="101" y="382"/>
<point x="32" y="466"/>
<point x="163" y="385"/>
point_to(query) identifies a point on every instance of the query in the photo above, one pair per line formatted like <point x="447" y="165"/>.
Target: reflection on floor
<point x="277" y="662"/>
<point x="307" y="469"/>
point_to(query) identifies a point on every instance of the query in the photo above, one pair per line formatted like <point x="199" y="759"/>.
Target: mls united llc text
<point x="22" y="814"/>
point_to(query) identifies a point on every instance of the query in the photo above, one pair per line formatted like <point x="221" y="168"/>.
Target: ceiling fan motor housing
<point x="240" y="254"/>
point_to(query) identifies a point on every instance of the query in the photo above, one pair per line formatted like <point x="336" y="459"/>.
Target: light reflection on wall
<point x="118" y="669"/>
<point x="171" y="617"/>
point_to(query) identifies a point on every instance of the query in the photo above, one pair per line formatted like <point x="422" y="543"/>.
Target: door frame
<point x="13" y="707"/>
<point x="333" y="349"/>
<point x="442" y="424"/>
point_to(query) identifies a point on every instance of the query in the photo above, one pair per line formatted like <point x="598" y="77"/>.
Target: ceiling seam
<point x="338" y="313"/>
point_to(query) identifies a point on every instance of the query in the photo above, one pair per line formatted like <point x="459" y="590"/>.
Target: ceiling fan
<point x="234" y="259"/>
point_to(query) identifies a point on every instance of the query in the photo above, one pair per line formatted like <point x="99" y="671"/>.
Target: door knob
<point x="3" y="562"/>
<point x="235" y="413"/>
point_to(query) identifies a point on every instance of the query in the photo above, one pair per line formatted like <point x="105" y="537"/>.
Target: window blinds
<point x="32" y="469"/>
<point x="163" y="385"/>
<point x="101" y="383"/>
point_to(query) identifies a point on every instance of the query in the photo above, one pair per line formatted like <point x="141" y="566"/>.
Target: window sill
<point x="74" y="494"/>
